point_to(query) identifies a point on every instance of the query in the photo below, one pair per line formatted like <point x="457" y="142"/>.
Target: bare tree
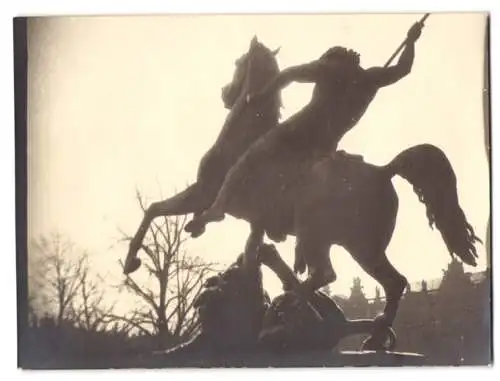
<point x="60" y="284"/>
<point x="36" y="283"/>
<point x="56" y="274"/>
<point x="174" y="281"/>
<point x="89" y="309"/>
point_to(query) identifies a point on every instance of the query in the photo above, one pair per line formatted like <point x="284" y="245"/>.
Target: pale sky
<point x="119" y="103"/>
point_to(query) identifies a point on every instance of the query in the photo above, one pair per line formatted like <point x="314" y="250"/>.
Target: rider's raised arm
<point x="384" y="76"/>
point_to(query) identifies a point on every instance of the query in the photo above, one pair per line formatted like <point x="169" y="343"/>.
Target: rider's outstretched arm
<point x="306" y="73"/>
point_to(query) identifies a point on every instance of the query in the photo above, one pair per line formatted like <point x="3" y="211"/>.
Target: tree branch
<point x="130" y="321"/>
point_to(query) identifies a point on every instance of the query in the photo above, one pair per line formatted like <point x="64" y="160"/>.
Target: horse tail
<point x="430" y="173"/>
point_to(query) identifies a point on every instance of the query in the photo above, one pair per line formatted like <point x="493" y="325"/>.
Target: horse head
<point x="253" y="70"/>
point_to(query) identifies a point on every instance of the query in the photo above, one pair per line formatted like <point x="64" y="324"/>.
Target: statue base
<point x="241" y="327"/>
<point x="309" y="359"/>
<point x="380" y="358"/>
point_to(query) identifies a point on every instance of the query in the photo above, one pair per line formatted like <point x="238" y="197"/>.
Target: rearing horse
<point x="243" y="126"/>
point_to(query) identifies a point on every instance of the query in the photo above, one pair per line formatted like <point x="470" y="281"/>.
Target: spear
<point x="421" y="22"/>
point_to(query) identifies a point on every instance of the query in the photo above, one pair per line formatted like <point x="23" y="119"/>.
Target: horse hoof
<point x="131" y="266"/>
<point x="380" y="341"/>
<point x="370" y="344"/>
<point x="194" y="228"/>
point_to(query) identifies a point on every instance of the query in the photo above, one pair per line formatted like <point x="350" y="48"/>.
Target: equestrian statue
<point x="288" y="178"/>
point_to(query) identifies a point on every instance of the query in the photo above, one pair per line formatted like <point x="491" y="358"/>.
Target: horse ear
<point x="254" y="41"/>
<point x="276" y="51"/>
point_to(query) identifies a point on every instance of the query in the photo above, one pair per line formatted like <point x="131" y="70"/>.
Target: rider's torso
<point x="342" y="98"/>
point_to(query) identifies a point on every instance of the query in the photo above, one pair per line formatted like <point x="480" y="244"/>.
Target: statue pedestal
<point x="385" y="359"/>
<point x="328" y="359"/>
<point x="333" y="359"/>
<point x="246" y="332"/>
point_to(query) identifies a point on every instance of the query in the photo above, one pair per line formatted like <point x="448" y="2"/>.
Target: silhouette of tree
<point x="89" y="310"/>
<point x="175" y="279"/>
<point x="358" y="302"/>
<point x="56" y="280"/>
<point x="357" y="289"/>
<point x="423" y="286"/>
<point x="455" y="306"/>
<point x="36" y="284"/>
<point x="408" y="289"/>
<point x="377" y="304"/>
<point x="377" y="293"/>
<point x="61" y="285"/>
<point x="454" y="276"/>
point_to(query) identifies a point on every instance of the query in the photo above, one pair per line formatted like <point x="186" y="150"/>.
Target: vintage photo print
<point x="253" y="190"/>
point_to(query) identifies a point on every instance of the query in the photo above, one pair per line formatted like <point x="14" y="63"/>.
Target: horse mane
<point x="267" y="58"/>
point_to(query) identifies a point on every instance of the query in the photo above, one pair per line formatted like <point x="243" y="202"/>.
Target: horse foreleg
<point x="191" y="200"/>
<point x="254" y="241"/>
<point x="269" y="256"/>
<point x="316" y="256"/>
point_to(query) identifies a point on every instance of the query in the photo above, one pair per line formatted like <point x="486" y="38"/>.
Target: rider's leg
<point x="235" y="179"/>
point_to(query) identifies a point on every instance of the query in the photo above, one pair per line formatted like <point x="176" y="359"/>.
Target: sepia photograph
<point x="237" y="190"/>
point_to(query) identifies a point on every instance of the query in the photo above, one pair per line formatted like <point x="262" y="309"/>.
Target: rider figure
<point x="342" y="93"/>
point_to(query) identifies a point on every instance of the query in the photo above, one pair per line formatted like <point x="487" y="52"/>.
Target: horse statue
<point x="243" y="126"/>
<point x="338" y="200"/>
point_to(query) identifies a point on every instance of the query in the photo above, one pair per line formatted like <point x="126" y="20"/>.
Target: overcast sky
<point x="119" y="103"/>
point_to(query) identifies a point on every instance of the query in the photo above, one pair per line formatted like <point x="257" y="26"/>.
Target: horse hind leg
<point x="393" y="284"/>
<point x="192" y="200"/>
<point x="379" y="268"/>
